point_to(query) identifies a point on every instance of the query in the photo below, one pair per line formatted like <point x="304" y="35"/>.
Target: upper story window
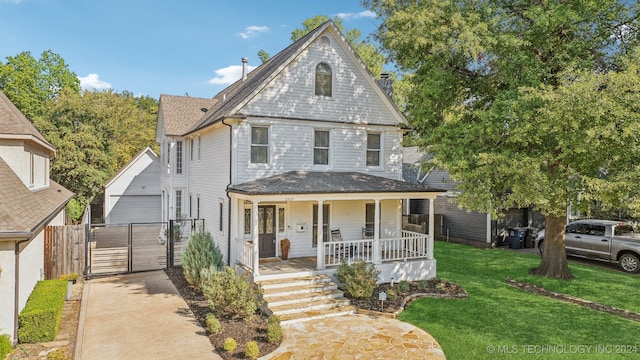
<point x="259" y="145"/>
<point x="178" y="157"/>
<point x="321" y="147"/>
<point x="168" y="154"/>
<point x="323" y="79"/>
<point x="199" y="147"/>
<point x="191" y="149"/>
<point x="373" y="149"/>
<point x="32" y="169"/>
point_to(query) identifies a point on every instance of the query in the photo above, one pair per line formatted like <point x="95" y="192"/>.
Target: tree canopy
<point x="524" y="103"/>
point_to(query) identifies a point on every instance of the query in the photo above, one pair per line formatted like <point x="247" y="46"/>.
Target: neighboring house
<point x="453" y="223"/>
<point x="29" y="201"/>
<point x="132" y="195"/>
<point x="305" y="147"/>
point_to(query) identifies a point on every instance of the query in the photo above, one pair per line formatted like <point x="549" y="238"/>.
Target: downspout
<point x="227" y="191"/>
<point x="16" y="303"/>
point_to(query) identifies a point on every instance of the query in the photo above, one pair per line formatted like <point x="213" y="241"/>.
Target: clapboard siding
<point x="291" y="148"/>
<point x="291" y="94"/>
<point x="459" y="223"/>
<point x="439" y="179"/>
<point x="208" y="180"/>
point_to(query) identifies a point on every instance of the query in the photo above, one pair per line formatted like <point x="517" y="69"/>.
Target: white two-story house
<point x="306" y="147"/>
<point x="29" y="201"/>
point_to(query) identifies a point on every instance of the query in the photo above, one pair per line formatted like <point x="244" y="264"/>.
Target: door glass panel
<point x="270" y="218"/>
<point x="260" y="221"/>
<point x="281" y="220"/>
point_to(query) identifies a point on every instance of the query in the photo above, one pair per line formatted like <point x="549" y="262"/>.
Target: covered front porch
<point x="361" y="220"/>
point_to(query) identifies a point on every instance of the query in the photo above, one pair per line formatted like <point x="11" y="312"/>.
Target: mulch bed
<point x="535" y="289"/>
<point x="405" y="292"/>
<point x="241" y="331"/>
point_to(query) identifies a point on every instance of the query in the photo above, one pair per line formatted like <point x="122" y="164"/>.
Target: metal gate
<point x="117" y="249"/>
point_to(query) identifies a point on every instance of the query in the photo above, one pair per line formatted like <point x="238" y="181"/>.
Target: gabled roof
<point x="310" y="182"/>
<point x="24" y="211"/>
<point x="129" y="164"/>
<point x="13" y="124"/>
<point x="181" y="113"/>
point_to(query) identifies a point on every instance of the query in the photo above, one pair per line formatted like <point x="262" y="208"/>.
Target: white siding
<point x="291" y="149"/>
<point x="292" y="93"/>
<point x="7" y="287"/>
<point x="17" y="154"/>
<point x="208" y="179"/>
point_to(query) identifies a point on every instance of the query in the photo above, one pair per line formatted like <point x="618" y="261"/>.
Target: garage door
<point x="135" y="209"/>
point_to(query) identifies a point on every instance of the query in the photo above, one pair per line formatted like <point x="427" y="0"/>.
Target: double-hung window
<point x="178" y="204"/>
<point x="259" y="145"/>
<point x="321" y="147"/>
<point x="178" y="157"/>
<point x="373" y="149"/>
<point x="323" y="79"/>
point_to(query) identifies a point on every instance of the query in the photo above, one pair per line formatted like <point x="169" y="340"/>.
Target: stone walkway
<point x="355" y="337"/>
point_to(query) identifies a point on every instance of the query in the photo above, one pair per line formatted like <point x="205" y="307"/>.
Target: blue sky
<point x="153" y="47"/>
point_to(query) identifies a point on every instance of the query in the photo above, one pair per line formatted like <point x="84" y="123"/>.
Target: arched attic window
<point x="323" y="79"/>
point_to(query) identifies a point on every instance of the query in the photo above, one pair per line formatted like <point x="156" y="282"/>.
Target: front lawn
<point x="499" y="321"/>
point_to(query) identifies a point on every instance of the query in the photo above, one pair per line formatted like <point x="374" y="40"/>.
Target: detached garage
<point x="133" y="194"/>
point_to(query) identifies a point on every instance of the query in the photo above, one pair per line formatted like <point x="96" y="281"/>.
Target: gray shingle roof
<point x="24" y="210"/>
<point x="309" y="182"/>
<point x="13" y="122"/>
<point x="181" y="113"/>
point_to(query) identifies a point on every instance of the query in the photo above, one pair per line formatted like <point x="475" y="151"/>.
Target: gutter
<point x="227" y="191"/>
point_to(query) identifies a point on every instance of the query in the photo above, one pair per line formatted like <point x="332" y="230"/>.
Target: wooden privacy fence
<point x="63" y="250"/>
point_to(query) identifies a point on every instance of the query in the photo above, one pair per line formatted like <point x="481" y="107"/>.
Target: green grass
<point x="497" y="315"/>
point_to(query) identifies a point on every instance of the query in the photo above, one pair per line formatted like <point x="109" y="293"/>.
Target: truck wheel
<point x="541" y="246"/>
<point x="630" y="263"/>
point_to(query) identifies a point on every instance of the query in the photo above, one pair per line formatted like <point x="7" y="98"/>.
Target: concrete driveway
<point x="138" y="316"/>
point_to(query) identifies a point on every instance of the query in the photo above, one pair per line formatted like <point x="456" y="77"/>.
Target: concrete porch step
<point x="316" y="314"/>
<point x="280" y="299"/>
<point x="293" y="281"/>
<point x="299" y="289"/>
<point x="301" y="307"/>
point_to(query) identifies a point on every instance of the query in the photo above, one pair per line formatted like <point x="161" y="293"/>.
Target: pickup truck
<point x="611" y="241"/>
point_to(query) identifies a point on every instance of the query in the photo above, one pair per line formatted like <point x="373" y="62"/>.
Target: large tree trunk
<point x="554" y="258"/>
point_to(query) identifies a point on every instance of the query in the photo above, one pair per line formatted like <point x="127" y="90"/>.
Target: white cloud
<point x="229" y="74"/>
<point x="251" y="31"/>
<point x="93" y="82"/>
<point x="359" y="15"/>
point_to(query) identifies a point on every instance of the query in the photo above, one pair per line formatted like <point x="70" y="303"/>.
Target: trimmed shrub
<point x="403" y="286"/>
<point x="213" y="324"/>
<point x="5" y="346"/>
<point x="229" y="344"/>
<point x="392" y="295"/>
<point x="40" y="319"/>
<point x="201" y="253"/>
<point x="73" y="277"/>
<point x="274" y="330"/>
<point x="58" y="354"/>
<point x="252" y="350"/>
<point x="229" y="294"/>
<point x="359" y="279"/>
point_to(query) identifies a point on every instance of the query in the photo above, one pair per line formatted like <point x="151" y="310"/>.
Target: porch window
<point x="247" y="221"/>
<point x="190" y="206"/>
<point x="369" y="217"/>
<point x="221" y="216"/>
<point x="178" y="157"/>
<point x="323" y="79"/>
<point x="373" y="149"/>
<point x="198" y="207"/>
<point x="321" y="147"/>
<point x="259" y="145"/>
<point x="280" y="220"/>
<point x="325" y="224"/>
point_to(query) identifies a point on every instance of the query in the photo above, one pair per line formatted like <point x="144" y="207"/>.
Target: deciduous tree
<point x="523" y="102"/>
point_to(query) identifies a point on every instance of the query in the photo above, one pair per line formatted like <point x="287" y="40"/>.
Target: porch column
<point x="320" y="238"/>
<point x="431" y="239"/>
<point x="233" y="231"/>
<point x="256" y="239"/>
<point x="377" y="258"/>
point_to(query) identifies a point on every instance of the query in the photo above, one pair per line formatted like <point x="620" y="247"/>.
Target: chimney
<point x="244" y="68"/>
<point x="387" y="83"/>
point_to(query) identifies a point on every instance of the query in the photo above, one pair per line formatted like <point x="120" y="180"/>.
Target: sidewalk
<point x="138" y="316"/>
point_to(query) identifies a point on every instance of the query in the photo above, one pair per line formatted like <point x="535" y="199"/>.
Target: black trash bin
<point x="516" y="237"/>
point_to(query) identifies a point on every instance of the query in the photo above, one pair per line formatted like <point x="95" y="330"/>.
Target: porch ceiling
<point x="309" y="182"/>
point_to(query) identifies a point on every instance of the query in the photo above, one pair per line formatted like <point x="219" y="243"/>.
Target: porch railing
<point x="354" y="250"/>
<point x="244" y="255"/>
<point x="411" y="245"/>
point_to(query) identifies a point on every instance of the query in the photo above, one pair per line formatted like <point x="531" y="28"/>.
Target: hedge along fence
<point x="40" y="319"/>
